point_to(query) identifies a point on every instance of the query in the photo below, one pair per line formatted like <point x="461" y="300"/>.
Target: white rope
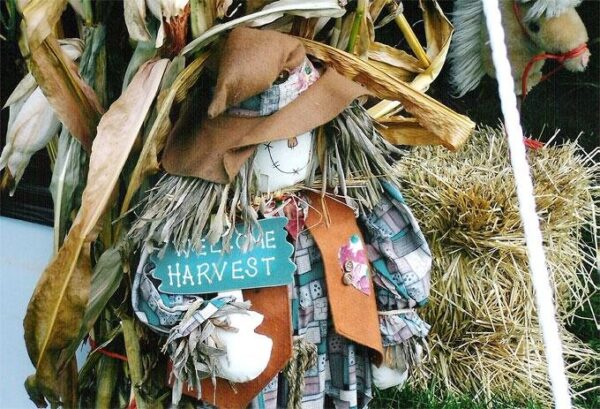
<point x="533" y="235"/>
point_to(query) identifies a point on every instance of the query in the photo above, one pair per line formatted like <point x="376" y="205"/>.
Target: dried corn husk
<point x="167" y="12"/>
<point x="74" y="101"/>
<point x="271" y="12"/>
<point x="449" y="127"/>
<point x="40" y="17"/>
<point x="406" y="131"/>
<point x="70" y="167"/>
<point x="438" y="33"/>
<point x="202" y="14"/>
<point x="135" y="19"/>
<point x="147" y="163"/>
<point x="32" y="121"/>
<point x="31" y="130"/>
<point x="56" y="308"/>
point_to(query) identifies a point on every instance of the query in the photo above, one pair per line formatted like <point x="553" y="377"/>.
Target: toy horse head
<point x="536" y="30"/>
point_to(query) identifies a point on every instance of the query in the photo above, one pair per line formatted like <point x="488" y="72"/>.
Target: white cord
<point x="533" y="236"/>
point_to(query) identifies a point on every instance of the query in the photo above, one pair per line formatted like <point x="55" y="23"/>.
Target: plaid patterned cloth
<point x="401" y="260"/>
<point x="342" y="376"/>
<point x="278" y="95"/>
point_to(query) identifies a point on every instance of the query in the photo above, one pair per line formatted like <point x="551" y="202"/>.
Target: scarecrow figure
<point x="284" y="137"/>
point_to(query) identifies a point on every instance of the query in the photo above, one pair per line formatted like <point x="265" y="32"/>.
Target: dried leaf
<point x="271" y="12"/>
<point x="222" y="7"/>
<point x="74" y="102"/>
<point x="394" y="57"/>
<point x="147" y="163"/>
<point x="407" y="131"/>
<point x="172" y="8"/>
<point x="376" y="7"/>
<point x="70" y="168"/>
<point x="440" y="120"/>
<point x="23" y="89"/>
<point x="40" y="17"/>
<point x="202" y="15"/>
<point x="105" y="281"/>
<point x="60" y="298"/>
<point x="438" y="32"/>
<point x="135" y="19"/>
<point x="396" y="73"/>
<point x="144" y="52"/>
<point x="366" y="34"/>
<point x="66" y="184"/>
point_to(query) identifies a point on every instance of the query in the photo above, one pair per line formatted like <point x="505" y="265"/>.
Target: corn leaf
<point x="69" y="172"/>
<point x="394" y="57"/>
<point x="407" y="131"/>
<point x="144" y="52"/>
<point x="67" y="180"/>
<point x="366" y="31"/>
<point x="440" y="120"/>
<point x="271" y="12"/>
<point x="23" y="89"/>
<point x="376" y="7"/>
<point x="56" y="309"/>
<point x="438" y="34"/>
<point x="135" y="19"/>
<point x="40" y="17"/>
<point x="107" y="276"/>
<point x="147" y="163"/>
<point x="73" y="101"/>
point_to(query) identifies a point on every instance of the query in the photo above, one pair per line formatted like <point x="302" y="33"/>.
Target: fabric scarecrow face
<point x="282" y="163"/>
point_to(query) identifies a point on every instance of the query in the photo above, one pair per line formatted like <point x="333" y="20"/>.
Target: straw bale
<point x="485" y="338"/>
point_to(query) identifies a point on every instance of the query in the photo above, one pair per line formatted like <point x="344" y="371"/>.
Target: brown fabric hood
<point x="249" y="62"/>
<point x="215" y="148"/>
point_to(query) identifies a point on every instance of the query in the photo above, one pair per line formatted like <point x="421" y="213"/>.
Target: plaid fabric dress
<point x="401" y="262"/>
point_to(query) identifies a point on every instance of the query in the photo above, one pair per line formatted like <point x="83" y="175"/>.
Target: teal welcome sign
<point x="265" y="264"/>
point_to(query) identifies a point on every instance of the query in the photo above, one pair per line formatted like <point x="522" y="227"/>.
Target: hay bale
<point x="485" y="339"/>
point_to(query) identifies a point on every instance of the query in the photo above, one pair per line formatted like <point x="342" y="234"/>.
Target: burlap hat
<point x="213" y="145"/>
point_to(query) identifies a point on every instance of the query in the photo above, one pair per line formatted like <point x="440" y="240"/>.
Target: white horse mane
<point x="466" y="49"/>
<point x="466" y="65"/>
<point x="548" y="8"/>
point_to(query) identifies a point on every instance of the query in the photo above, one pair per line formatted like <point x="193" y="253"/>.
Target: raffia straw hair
<point x="466" y="50"/>
<point x="485" y="339"/>
<point x="184" y="210"/>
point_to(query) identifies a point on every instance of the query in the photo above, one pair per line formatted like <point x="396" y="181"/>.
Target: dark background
<point x="569" y="102"/>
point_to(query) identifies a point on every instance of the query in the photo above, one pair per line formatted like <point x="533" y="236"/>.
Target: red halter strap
<point x="560" y="58"/>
